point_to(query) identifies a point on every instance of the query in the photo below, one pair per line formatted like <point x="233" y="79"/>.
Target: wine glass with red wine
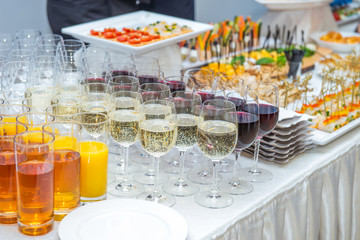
<point x="268" y="110"/>
<point x="176" y="83"/>
<point x="248" y="128"/>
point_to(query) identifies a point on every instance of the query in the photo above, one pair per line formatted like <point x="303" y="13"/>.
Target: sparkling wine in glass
<point x="158" y="133"/>
<point x="187" y="120"/>
<point x="217" y="138"/>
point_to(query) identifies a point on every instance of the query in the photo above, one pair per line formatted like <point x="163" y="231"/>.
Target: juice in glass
<point x="93" y="173"/>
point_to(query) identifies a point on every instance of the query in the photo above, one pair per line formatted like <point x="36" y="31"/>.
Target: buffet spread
<point x="286" y="95"/>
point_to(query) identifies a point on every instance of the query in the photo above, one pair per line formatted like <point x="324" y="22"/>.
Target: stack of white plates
<point x="290" y="137"/>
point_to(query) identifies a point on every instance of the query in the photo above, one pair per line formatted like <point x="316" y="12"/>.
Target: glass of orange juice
<point x="9" y="112"/>
<point x="35" y="120"/>
<point x="66" y="165"/>
<point x="94" y="155"/>
<point x="8" y="189"/>
<point x="34" y="157"/>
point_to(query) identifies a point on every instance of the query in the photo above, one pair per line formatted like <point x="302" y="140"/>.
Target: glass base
<point x="35" y="230"/>
<point x="61" y="213"/>
<point x="148" y="178"/>
<point x="226" y="165"/>
<point x="211" y="199"/>
<point x="236" y="186"/>
<point x="94" y="199"/>
<point x="158" y="197"/>
<point x="118" y="168"/>
<point x="172" y="167"/>
<point x="8" y="218"/>
<point x="181" y="188"/>
<point x="203" y="177"/>
<point x="125" y="189"/>
<point x="260" y="175"/>
<point x="140" y="157"/>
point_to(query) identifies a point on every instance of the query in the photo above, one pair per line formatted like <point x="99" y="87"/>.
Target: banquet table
<point x="314" y="196"/>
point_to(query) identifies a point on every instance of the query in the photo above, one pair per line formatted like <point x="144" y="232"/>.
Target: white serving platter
<point x="123" y="219"/>
<point x="134" y="20"/>
<point x="336" y="47"/>
<point x="278" y="5"/>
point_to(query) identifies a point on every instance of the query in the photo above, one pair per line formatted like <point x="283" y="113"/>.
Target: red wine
<point x="248" y="125"/>
<point x="269" y="116"/>
<point x="176" y="85"/>
<point x="115" y="73"/>
<point x="239" y="103"/>
<point x="206" y="96"/>
<point x="148" y="79"/>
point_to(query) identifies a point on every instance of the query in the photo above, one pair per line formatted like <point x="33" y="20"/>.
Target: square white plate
<point x="134" y="20"/>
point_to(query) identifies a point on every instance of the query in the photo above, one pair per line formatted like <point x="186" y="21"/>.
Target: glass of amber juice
<point x="8" y="189"/>
<point x="35" y="120"/>
<point x="94" y="155"/>
<point x="66" y="165"/>
<point x="34" y="157"/>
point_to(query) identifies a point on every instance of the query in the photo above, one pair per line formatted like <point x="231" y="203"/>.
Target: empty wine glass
<point x="268" y="114"/>
<point x="187" y="120"/>
<point x="158" y="132"/>
<point x="217" y="137"/>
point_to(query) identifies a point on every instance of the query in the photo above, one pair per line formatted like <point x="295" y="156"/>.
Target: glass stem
<point x="256" y="156"/>
<point x="156" y="174"/>
<point x="126" y="164"/>
<point x="215" y="179"/>
<point x="236" y="162"/>
<point x="182" y="166"/>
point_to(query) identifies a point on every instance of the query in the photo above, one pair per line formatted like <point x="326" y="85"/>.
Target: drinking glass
<point x="187" y="121"/>
<point x="8" y="189"/>
<point x="39" y="97"/>
<point x="122" y="68"/>
<point x="21" y="54"/>
<point x="66" y="165"/>
<point x="13" y="96"/>
<point x="124" y="100"/>
<point x="71" y="54"/>
<point x="269" y="115"/>
<point x="34" y="121"/>
<point x="63" y="112"/>
<point x="146" y="62"/>
<point x="49" y="39"/>
<point x="154" y="91"/>
<point x="176" y="83"/>
<point x="216" y="137"/>
<point x="158" y="132"/>
<point x="94" y="155"/>
<point x="124" y="83"/>
<point x="14" y="75"/>
<point x="124" y="130"/>
<point x="97" y="89"/>
<point x="34" y="156"/>
<point x="248" y="128"/>
<point x="148" y="75"/>
<point x="9" y="112"/>
<point x="31" y="34"/>
<point x="96" y="63"/>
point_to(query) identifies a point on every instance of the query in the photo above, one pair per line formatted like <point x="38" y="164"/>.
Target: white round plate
<point x="336" y="47"/>
<point x="123" y="219"/>
<point x="278" y="5"/>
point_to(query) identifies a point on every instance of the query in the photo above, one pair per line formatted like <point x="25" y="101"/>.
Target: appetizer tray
<point x="134" y="20"/>
<point x="292" y="4"/>
<point x="336" y="47"/>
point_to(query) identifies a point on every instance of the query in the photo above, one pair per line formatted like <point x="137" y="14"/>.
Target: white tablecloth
<point x="315" y="196"/>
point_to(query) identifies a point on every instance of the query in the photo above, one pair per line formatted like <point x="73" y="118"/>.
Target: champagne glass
<point x="248" y="128"/>
<point x="269" y="115"/>
<point x="124" y="130"/>
<point x="158" y="132"/>
<point x="124" y="83"/>
<point x="94" y="153"/>
<point x="130" y="101"/>
<point x="187" y="120"/>
<point x="217" y="137"/>
<point x="63" y="112"/>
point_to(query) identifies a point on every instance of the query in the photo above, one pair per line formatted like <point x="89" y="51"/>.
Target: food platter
<point x="279" y="5"/>
<point x="134" y="20"/>
<point x="336" y="47"/>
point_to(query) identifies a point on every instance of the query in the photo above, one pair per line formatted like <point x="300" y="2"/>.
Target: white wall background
<point x="21" y="14"/>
